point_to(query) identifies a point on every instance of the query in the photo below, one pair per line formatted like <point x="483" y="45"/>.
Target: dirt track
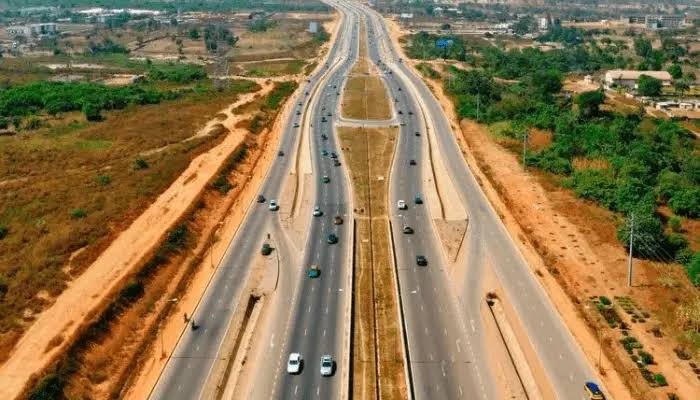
<point x="90" y="289"/>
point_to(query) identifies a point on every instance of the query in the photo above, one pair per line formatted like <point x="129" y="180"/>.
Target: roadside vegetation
<point x="70" y="185"/>
<point x="627" y="162"/>
<point x="377" y="364"/>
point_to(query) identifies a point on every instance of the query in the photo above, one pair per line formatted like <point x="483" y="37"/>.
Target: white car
<point x="317" y="211"/>
<point x="294" y="363"/>
<point x="326" y="365"/>
<point x="273" y="205"/>
<point x="401" y="204"/>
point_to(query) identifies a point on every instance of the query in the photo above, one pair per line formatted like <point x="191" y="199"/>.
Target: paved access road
<point x="487" y="238"/>
<point x="197" y="351"/>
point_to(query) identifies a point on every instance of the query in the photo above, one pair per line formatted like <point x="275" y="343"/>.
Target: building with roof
<point x="629" y="78"/>
<point x="48" y="28"/>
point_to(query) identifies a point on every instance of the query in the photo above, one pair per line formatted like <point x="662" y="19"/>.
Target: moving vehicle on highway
<point x="422" y="261"/>
<point x="266" y="249"/>
<point x="260" y="199"/>
<point x="418" y="199"/>
<point x="273" y="205"/>
<point x="326" y="365"/>
<point x="338" y="220"/>
<point x="294" y="364"/>
<point x="412" y="162"/>
<point x="593" y="391"/>
<point x="314" y="271"/>
<point x="332" y="238"/>
<point x="325" y="179"/>
<point x="407" y="230"/>
<point x="317" y="211"/>
<point x="401" y="205"/>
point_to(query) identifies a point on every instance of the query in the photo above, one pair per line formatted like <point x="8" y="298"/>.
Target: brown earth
<point x="577" y="243"/>
<point x="364" y="95"/>
<point x="568" y="307"/>
<point x="131" y="245"/>
<point x="377" y="365"/>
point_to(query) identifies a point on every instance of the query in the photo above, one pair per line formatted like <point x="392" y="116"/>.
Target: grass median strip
<point x="378" y="369"/>
<point x="365" y="96"/>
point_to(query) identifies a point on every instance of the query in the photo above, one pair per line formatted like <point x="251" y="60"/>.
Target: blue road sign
<point x="443" y="43"/>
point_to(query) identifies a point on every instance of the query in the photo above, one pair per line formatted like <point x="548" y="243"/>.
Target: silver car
<point x="326" y="365"/>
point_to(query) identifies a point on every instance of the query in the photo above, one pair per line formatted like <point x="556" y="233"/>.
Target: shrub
<point x="78" y="213"/>
<point x="660" y="380"/>
<point x="177" y="238"/>
<point x="178" y="73"/>
<point x="104" y="180"/>
<point x="132" y="291"/>
<point x="33" y="123"/>
<point x="675" y="223"/>
<point x="92" y="112"/>
<point x="3" y="231"/>
<point x="693" y="269"/>
<point x="17" y="122"/>
<point x="646" y="358"/>
<point x="4" y="123"/>
<point x="684" y="256"/>
<point x="605" y="301"/>
<point x="222" y="184"/>
<point x="686" y="201"/>
<point x="140" y="163"/>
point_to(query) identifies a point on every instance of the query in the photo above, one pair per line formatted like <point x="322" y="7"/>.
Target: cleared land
<point x="378" y="368"/>
<point x="69" y="188"/>
<point x="115" y="340"/>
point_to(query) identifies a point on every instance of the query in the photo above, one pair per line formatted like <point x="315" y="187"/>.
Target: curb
<point x="404" y="335"/>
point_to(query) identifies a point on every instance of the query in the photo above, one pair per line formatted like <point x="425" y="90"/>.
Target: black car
<point x="280" y="153"/>
<point x="421" y="260"/>
<point x="336" y="163"/>
<point x="407" y="230"/>
<point x="332" y="238"/>
<point x="412" y="162"/>
<point x="261" y="198"/>
<point x="417" y="133"/>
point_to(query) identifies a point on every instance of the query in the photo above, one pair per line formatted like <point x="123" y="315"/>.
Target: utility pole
<point x="477" y="107"/>
<point x="524" y="150"/>
<point x="629" y="260"/>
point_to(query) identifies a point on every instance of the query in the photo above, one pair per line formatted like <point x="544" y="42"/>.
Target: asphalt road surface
<point x="188" y="369"/>
<point x="487" y="238"/>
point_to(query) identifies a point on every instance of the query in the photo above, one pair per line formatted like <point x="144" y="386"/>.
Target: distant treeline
<point x="174" y="6"/>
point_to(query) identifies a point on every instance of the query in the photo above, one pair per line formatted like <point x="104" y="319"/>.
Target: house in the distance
<point x="629" y="78"/>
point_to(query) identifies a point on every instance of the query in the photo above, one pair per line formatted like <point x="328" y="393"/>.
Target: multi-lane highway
<point x="487" y="238"/>
<point x="311" y="316"/>
<point x="189" y="368"/>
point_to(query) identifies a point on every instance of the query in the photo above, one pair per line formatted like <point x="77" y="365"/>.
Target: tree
<point x="648" y="86"/>
<point x="445" y="27"/>
<point x="193" y="33"/>
<point x="681" y="86"/>
<point x="524" y="25"/>
<point x="649" y="239"/>
<point x="675" y="70"/>
<point x="642" y="46"/>
<point x="92" y="112"/>
<point x="589" y="102"/>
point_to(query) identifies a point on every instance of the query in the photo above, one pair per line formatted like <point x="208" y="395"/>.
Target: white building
<point x="629" y="78"/>
<point x="313" y="27"/>
<point x="48" y="28"/>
